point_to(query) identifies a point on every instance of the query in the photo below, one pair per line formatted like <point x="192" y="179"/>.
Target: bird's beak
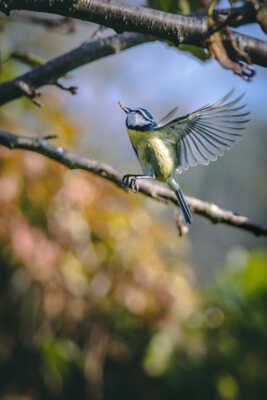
<point x="124" y="108"/>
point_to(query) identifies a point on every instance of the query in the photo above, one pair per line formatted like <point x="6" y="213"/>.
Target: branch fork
<point x="30" y="92"/>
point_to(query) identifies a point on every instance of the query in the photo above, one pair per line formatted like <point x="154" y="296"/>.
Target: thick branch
<point x="153" y="190"/>
<point x="179" y="29"/>
<point x="59" y="66"/>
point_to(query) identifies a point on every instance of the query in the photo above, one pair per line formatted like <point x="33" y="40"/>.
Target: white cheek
<point x="139" y="120"/>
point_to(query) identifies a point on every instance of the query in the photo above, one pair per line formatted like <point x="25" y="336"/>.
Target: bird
<point x="172" y="145"/>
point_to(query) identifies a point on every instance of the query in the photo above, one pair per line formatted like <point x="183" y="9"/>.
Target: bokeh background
<point x="100" y="297"/>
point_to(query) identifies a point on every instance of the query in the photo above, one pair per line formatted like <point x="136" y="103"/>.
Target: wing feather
<point x="182" y="155"/>
<point x="167" y="118"/>
<point x="202" y="148"/>
<point x="198" y="148"/>
<point x="193" y="156"/>
<point x="206" y="133"/>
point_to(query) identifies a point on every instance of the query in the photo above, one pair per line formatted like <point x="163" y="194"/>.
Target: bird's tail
<point x="172" y="182"/>
<point x="184" y="207"/>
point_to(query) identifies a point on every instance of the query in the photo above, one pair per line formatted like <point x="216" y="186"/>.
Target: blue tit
<point x="174" y="144"/>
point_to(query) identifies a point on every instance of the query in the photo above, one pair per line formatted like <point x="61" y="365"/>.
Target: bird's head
<point x="138" y="119"/>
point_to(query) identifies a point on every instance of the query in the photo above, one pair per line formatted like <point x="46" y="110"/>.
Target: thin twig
<point x="49" y="23"/>
<point x="152" y="189"/>
<point x="27" y="58"/>
<point x="72" y="89"/>
<point x="98" y="32"/>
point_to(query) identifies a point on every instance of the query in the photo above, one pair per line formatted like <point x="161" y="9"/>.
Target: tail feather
<point x="184" y="207"/>
<point x="174" y="185"/>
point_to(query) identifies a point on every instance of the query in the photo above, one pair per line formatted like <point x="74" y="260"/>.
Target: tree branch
<point x="154" y="190"/>
<point x="49" y="72"/>
<point x="179" y="29"/>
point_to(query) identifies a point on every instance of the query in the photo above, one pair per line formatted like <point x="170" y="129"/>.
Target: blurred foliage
<point x="231" y="357"/>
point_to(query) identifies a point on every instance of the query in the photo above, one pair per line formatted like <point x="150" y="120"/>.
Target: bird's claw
<point x="130" y="182"/>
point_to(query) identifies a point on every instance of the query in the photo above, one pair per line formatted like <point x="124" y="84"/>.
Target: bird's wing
<point x="167" y="118"/>
<point x="203" y="135"/>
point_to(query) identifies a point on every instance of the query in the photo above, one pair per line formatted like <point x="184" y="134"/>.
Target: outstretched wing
<point x="204" y="135"/>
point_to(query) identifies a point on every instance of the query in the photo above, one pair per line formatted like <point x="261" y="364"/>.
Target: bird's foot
<point x="130" y="182"/>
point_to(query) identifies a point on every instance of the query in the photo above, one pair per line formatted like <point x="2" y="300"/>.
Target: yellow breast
<point x="137" y="137"/>
<point x="162" y="158"/>
<point x="153" y="150"/>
